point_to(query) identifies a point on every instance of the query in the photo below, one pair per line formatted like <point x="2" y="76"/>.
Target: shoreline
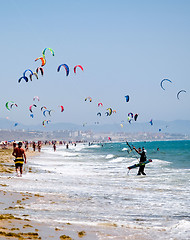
<point x="14" y="226"/>
<point x="16" y="223"/>
<point x="22" y="226"/>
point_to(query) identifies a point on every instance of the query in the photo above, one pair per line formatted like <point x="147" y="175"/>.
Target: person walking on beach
<point x="54" y="146"/>
<point x="20" y="158"/>
<point x="39" y="146"/>
<point x="26" y="146"/>
<point x="14" y="145"/>
<point x="142" y="159"/>
<point x="34" y="146"/>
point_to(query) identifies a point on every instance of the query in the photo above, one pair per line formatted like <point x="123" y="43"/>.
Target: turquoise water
<point x="91" y="184"/>
<point x="175" y="152"/>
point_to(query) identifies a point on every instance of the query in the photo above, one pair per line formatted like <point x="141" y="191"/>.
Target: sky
<point x="125" y="47"/>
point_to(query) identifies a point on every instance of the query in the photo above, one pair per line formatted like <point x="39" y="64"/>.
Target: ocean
<point x="92" y="185"/>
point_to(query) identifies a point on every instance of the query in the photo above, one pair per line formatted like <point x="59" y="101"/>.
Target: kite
<point x="90" y="99"/>
<point x="66" y="68"/>
<point x="44" y="112"/>
<point x="25" y="78"/>
<point x="45" y="121"/>
<point x="180" y="92"/>
<point x="129" y="119"/>
<point x="79" y="67"/>
<point x="130" y="114"/>
<point x="136" y="116"/>
<point x="32" y="75"/>
<point x="44" y="51"/>
<point x="11" y="103"/>
<point x="43" y="108"/>
<point x="24" y="74"/>
<point x="161" y="83"/>
<point x="110" y="111"/>
<point x="151" y="122"/>
<point x="62" y="108"/>
<point x="36" y="97"/>
<point x="41" y="70"/>
<point x="42" y="59"/>
<point x="127" y="98"/>
<point x="31" y="106"/>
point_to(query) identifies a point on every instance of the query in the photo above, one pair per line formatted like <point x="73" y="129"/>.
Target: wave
<point x="109" y="156"/>
<point x="94" y="146"/>
<point x="118" y="159"/>
<point x="181" y="229"/>
<point x="124" y="149"/>
<point x="161" y="162"/>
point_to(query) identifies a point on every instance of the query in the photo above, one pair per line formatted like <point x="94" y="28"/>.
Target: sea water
<point x="92" y="185"/>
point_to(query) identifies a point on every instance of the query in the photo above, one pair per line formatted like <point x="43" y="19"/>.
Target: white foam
<point x="181" y="229"/>
<point x="161" y="162"/>
<point x="119" y="159"/>
<point x="124" y="149"/>
<point x="94" y="146"/>
<point x="109" y="156"/>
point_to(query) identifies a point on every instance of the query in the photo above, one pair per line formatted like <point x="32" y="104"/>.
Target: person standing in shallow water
<point x="20" y="158"/>
<point x="142" y="159"/>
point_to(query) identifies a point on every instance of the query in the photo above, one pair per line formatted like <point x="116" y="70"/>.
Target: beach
<point x="85" y="192"/>
<point x="14" y="227"/>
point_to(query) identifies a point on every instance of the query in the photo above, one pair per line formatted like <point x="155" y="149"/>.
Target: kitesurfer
<point x="20" y="158"/>
<point x="142" y="159"/>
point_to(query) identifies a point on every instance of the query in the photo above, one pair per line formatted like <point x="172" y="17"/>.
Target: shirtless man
<point x="20" y="158"/>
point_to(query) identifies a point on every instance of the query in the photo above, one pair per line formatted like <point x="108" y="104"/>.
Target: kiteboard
<point x="140" y="164"/>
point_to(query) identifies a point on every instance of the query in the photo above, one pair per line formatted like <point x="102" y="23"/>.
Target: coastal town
<point x="86" y="136"/>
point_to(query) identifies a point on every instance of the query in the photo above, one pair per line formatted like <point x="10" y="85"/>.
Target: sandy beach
<point x="12" y="226"/>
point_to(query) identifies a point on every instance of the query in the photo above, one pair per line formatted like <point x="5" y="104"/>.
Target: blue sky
<point x="125" y="47"/>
